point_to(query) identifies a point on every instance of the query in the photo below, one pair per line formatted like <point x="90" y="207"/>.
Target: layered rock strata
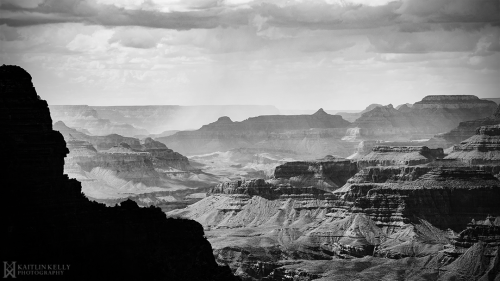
<point x="431" y="115"/>
<point x="49" y="220"/>
<point x="313" y="135"/>
<point x="467" y="129"/>
<point x="84" y="116"/>
<point x="481" y="149"/>
<point x="400" y="156"/>
<point x="328" y="173"/>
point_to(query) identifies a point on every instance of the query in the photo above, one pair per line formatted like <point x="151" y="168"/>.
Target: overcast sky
<point x="294" y="54"/>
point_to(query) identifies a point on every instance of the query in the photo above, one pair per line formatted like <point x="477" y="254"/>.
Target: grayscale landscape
<point x="251" y="140"/>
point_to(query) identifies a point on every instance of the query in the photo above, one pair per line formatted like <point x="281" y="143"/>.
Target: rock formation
<point x="404" y="203"/>
<point x="481" y="149"/>
<point x="127" y="120"/>
<point x="84" y="116"/>
<point x="47" y="220"/>
<point x="317" y="135"/>
<point x="99" y="142"/>
<point x="431" y="115"/>
<point x="328" y="173"/>
<point x="122" y="167"/>
<point x="399" y="155"/>
<point x="467" y="129"/>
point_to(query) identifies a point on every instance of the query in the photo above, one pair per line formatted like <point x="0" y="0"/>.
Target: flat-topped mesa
<point x="453" y="102"/>
<point x="328" y="173"/>
<point x="311" y="135"/>
<point x="320" y="119"/>
<point x="400" y="155"/>
<point x="480" y="149"/>
<point x="267" y="190"/>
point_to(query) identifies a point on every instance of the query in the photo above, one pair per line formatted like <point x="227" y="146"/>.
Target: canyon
<point x="47" y="219"/>
<point x="113" y="168"/>
<point x="313" y="135"/>
<point x="381" y="194"/>
<point x="319" y="134"/>
<point x="431" y="115"/>
<point x="139" y="121"/>
<point x="397" y="212"/>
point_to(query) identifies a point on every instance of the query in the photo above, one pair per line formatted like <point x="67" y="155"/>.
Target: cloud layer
<point x="254" y="51"/>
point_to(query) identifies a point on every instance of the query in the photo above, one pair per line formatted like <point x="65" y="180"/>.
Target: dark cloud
<point x="212" y="13"/>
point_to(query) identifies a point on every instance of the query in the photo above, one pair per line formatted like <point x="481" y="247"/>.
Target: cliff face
<point x="124" y="167"/>
<point x="49" y="221"/>
<point x="434" y="114"/>
<point x="467" y="129"/>
<point x="399" y="156"/>
<point x="84" y="116"/>
<point x="481" y="149"/>
<point x="447" y="198"/>
<point x="317" y="135"/>
<point x="99" y="142"/>
<point x="328" y="173"/>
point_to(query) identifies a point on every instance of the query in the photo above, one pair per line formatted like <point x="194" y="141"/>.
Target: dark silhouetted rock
<point x="47" y="220"/>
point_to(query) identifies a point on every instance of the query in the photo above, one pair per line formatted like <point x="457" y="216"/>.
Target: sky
<point x="294" y="54"/>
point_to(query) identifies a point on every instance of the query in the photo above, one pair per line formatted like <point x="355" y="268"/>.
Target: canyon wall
<point x="431" y="115"/>
<point x="139" y="120"/>
<point x="310" y="135"/>
<point x="467" y="129"/>
<point x="47" y="220"/>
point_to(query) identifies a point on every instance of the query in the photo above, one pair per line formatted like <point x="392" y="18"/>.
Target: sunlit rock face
<point x="467" y="129"/>
<point x="114" y="167"/>
<point x="50" y="221"/>
<point x="399" y="156"/>
<point x="432" y="115"/>
<point x="402" y="204"/>
<point x="481" y="149"/>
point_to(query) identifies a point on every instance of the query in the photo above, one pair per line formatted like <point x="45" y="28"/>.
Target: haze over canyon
<point x="250" y="140"/>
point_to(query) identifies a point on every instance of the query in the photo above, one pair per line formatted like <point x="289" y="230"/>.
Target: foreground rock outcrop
<point x="47" y="220"/>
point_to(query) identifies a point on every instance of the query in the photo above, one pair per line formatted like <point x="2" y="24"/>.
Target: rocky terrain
<point x="482" y="149"/>
<point x="467" y="129"/>
<point x="47" y="219"/>
<point x="241" y="163"/>
<point x="401" y="213"/>
<point x="146" y="171"/>
<point x="310" y="136"/>
<point x="141" y="120"/>
<point x="431" y="115"/>
<point x="85" y="117"/>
